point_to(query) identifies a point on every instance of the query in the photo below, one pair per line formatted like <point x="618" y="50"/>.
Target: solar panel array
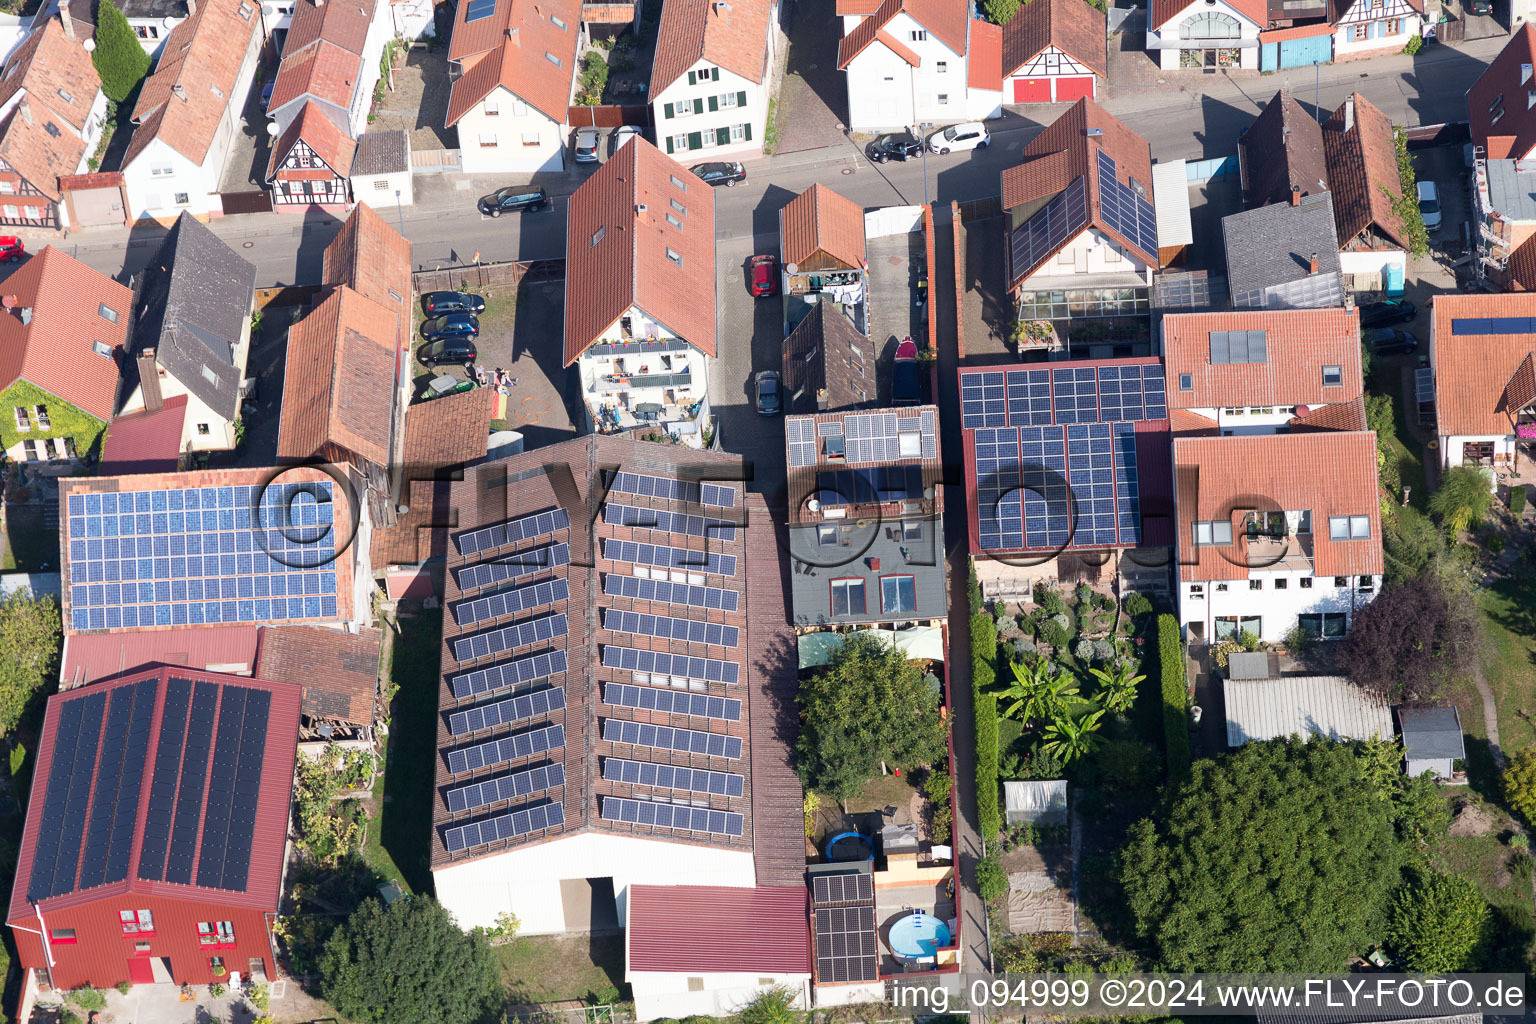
<point x="669" y="522"/>
<point x="505" y="712"/>
<point x="674" y="816"/>
<point x="119" y="779"/>
<point x="506" y="787"/>
<point x="1102" y="475"/>
<point x="846" y="944"/>
<point x="666" y="776"/>
<point x="662" y="737"/>
<point x="877" y="436"/>
<point x="869" y="485"/>
<point x="800" y="437"/>
<point x="479" y="9"/>
<point x="1066" y="394"/>
<point x="514" y="567"/>
<point x="512" y="825"/>
<point x="508" y="748"/>
<point x="511" y="637"/>
<point x="667" y="592"/>
<point x="1034" y="241"/>
<point x="513" y="531"/>
<point x="689" y="630"/>
<point x="711" y="670"/>
<point x="511" y="673"/>
<point x="1125" y="210"/>
<point x="1424" y="383"/>
<point x="189" y="793"/>
<point x="1493" y="325"/>
<point x="842" y="890"/>
<point x="57" y="856"/>
<point x="690" y="491"/>
<point x="1238" y="347"/>
<point x="191" y="556"/>
<point x="668" y="557"/>
<point x="162" y="791"/>
<point x="510" y="602"/>
<point x="234" y="783"/>
<point x="672" y="702"/>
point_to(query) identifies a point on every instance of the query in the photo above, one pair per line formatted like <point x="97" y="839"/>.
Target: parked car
<point x="972" y="135"/>
<point x="768" y="394"/>
<point x="512" y="198"/>
<point x="1429" y="205"/>
<point x="720" y="172"/>
<point x="438" y="303"/>
<point x="451" y="325"/>
<point x="906" y="375"/>
<point x="266" y="92"/>
<point x="622" y="135"/>
<point x="1390" y="341"/>
<point x="895" y="146"/>
<point x="12" y="249"/>
<point x="586" y="145"/>
<point x="763" y="276"/>
<point x="1387" y="312"/>
<point x="448" y="351"/>
<point x="1480" y="6"/>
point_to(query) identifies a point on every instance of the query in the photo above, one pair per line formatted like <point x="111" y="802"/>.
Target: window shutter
<point x="669" y="144"/>
<point x="714" y="74"/>
<point x="722" y="136"/>
<point x="747" y="130"/>
<point x="714" y="104"/>
<point x="698" y="105"/>
<point x="741" y="98"/>
<point x="666" y="110"/>
<point x="695" y="140"/>
<point x="691" y="78"/>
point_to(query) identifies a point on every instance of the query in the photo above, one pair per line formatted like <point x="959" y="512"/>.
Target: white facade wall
<point x="592" y="369"/>
<point x="277" y="15"/>
<point x="886" y="93"/>
<point x="1089" y="254"/>
<point x="221" y="432"/>
<point x="660" y="994"/>
<point x="378" y="190"/>
<point x="1250" y="419"/>
<point x="526" y="881"/>
<point x="983" y="104"/>
<point x="1276" y="607"/>
<point x="748" y="118"/>
<point x="153" y="32"/>
<point x="1173" y="33"/>
<point x="1451" y="451"/>
<point x="380" y="29"/>
<point x="849" y="995"/>
<point x="502" y="133"/>
<point x="1410" y="24"/>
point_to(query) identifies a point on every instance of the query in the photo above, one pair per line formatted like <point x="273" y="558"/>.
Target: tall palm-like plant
<point x="1068" y="738"/>
<point x="1117" y="688"/>
<point x="1037" y="693"/>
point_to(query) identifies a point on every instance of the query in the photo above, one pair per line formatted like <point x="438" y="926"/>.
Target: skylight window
<point x="107" y="313"/>
<point x="675" y="256"/>
<point x="101" y="348"/>
<point x="66" y="96"/>
<point x="597" y="236"/>
<point x="558" y="22"/>
<point x="552" y="59"/>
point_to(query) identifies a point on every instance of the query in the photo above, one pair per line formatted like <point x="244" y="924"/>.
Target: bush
<point x="216" y="991"/>
<point x="1517" y="499"/>
<point x="1519" y="841"/>
<point x="1436" y="922"/>
<point x="991" y="879"/>
<point x="1052" y="632"/>
<point x="936" y="787"/>
<point x="1137" y="604"/>
<point x="1103" y="602"/>
<point x="1520" y="784"/>
<point x="1248" y="641"/>
<point x="1103" y="650"/>
<point x="88" y="999"/>
<point x="775" y="1006"/>
<point x="1495" y="544"/>
<point x="972" y="585"/>
<point x="983" y="675"/>
<point x="120" y="60"/>
<point x="1005" y="623"/>
<point x="1175" y="696"/>
<point x="1037" y="764"/>
<point x="1052" y="603"/>
<point x="1023" y="647"/>
<point x="1083" y="650"/>
<point x="1298" y="640"/>
<point x="1127" y="766"/>
<point x="122" y="988"/>
<point x="1084" y="595"/>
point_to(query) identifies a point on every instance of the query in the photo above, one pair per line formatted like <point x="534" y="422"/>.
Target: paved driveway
<point x="749" y="337"/>
<point x="813" y="100"/>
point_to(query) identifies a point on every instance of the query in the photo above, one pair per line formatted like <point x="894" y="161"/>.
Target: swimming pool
<point x="918" y="935"/>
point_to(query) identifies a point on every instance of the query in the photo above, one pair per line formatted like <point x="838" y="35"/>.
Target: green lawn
<point x="1486" y="860"/>
<point x="551" y="968"/>
<point x="1387" y="379"/>
<point x="28" y="546"/>
<point x="397" y="846"/>
<point x="500" y="313"/>
<point x="1509" y="658"/>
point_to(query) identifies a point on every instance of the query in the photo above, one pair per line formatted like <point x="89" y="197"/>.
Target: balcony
<point x="612" y="382"/>
<point x="1264" y="553"/>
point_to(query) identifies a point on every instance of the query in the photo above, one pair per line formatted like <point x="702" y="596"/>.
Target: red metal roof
<point x="707" y="929"/>
<point x="89" y="657"/>
<point x="145" y="442"/>
<point x="263" y="887"/>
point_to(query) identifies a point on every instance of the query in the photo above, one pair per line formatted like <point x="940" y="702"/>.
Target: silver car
<point x="586" y="145"/>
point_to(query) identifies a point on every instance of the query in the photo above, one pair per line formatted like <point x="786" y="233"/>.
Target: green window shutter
<point x="690" y="78"/>
<point x="695" y="140"/>
<point x="714" y="74"/>
<point x="669" y="144"/>
<point x="741" y="98"/>
<point x="666" y="109"/>
<point x="722" y="136"/>
<point x="698" y="105"/>
<point x="747" y="128"/>
<point x="714" y="104"/>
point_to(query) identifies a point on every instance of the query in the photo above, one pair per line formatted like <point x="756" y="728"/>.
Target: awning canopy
<point x="922" y="643"/>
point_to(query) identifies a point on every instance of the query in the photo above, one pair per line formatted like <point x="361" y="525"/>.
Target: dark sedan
<point x="453" y="325"/>
<point x="439" y="303"/>
<point x="720" y="172"/>
<point x="1390" y="341"/>
<point x="512" y="198"/>
<point x="1387" y="312"/>
<point x="896" y="146"/>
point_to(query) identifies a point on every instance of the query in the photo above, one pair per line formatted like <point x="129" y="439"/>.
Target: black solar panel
<point x="509" y="673"/>
<point x="846" y="946"/>
<point x="1038" y="238"/>
<point x="841" y="890"/>
<point x="666" y="627"/>
<point x="505" y="787"/>
<point x="674" y="816"/>
<point x="510" y="637"/>
<point x="194" y="774"/>
<point x="674" y="490"/>
<point x="667" y="592"/>
<point x="514" y="531"/>
<point x="242" y="818"/>
<point x="162" y="792"/>
<point x="503" y="712"/>
<point x="511" y="602"/>
<point x="662" y="737"/>
<point x="508" y="748"/>
<point x="503" y="826"/>
<point x="115" y="803"/>
<point x="520" y="565"/>
<point x="869" y="485"/>
<point x="1124" y="209"/>
<point x="669" y="522"/>
<point x="221" y="786"/>
<point x="661" y="663"/>
<point x="57" y="853"/>
<point x="668" y="557"/>
<point x="667" y="776"/>
<point x="673" y="702"/>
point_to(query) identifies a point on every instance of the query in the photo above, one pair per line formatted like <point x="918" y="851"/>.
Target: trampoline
<point x="918" y="936"/>
<point x="850" y="846"/>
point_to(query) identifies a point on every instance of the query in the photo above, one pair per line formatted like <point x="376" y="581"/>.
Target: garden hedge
<point x="1175" y="696"/>
<point x="984" y="706"/>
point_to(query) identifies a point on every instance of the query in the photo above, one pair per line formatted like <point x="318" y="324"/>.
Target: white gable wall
<point x="661" y="994"/>
<point x="1089" y="254"/>
<point x="886" y="93"/>
<point x="1172" y="36"/>
<point x="740" y="109"/>
<point x="502" y="133"/>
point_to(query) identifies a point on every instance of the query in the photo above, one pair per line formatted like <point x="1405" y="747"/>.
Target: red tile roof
<point x="56" y="349"/>
<point x="448" y="431"/>
<point x="1522" y="266"/>
<point x="820" y="220"/>
<point x="373" y="259"/>
<point x="1338" y="416"/>
<point x="522" y="33"/>
<point x="321" y="135"/>
<point x="1298" y="344"/>
<point x="733" y="36"/>
<point x="1472" y="370"/>
<point x="339" y="671"/>
<point x="948" y="20"/>
<point x="145" y="442"/>
<point x="89" y="657"/>
<point x="35" y="153"/>
<point x="1071" y="26"/>
<point x="343" y="22"/>
<point x="1501" y="120"/>
<point x="56" y="72"/>
<point x="322" y="71"/>
<point x="984" y="64"/>
<point x="707" y="929"/>
<point x="1330" y="473"/>
<point x="1164" y="11"/>
<point x="267" y="841"/>
<point x="1362" y="171"/>
<point x="628" y="266"/>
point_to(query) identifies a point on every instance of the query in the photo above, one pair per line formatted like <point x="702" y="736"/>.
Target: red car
<point x="11" y="248"/>
<point x="763" y="276"/>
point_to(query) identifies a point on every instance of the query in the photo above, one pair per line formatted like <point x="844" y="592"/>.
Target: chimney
<point x="26" y="110"/>
<point x="1312" y="266"/>
<point x="179" y="91"/>
<point x="1349" y="113"/>
<point x="512" y="35"/>
<point x="641" y="209"/>
<point x="1295" y="195"/>
<point x="149" y="379"/>
<point x="191" y="7"/>
<point x="26" y="315"/>
<point x="10" y="302"/>
<point x="66" y="19"/>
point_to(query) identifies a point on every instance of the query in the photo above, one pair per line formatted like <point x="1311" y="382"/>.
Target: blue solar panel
<point x="1043" y="475"/>
<point x="662" y="663"/>
<point x="57" y="856"/>
<point x="669" y="522"/>
<point x="1067" y="394"/>
<point x="506" y="787"/>
<point x="1127" y="489"/>
<point x="667" y="592"/>
<point x="520" y="565"/>
<point x="504" y="712"/>
<point x="514" y="531"/>
<point x="667" y="776"/>
<point x="689" y="630"/>
<point x="668" y="557"/>
<point x="1076" y="394"/>
<point x="479" y="9"/>
<point x="511" y="602"/>
<point x="503" y="826"/>
<point x="1038" y="238"/>
<point x="998" y="499"/>
<point x="674" y="816"/>
<point x="674" y="490"/>
<point x="673" y="702"/>
<point x="510" y="638"/>
<point x="202" y="555"/>
<point x="1092" y="476"/>
<point x="508" y="748"/>
<point x="194" y="774"/>
<point x="162" y="793"/>
<point x="664" y="737"/>
<point x="509" y="673"/>
<point x="1125" y="210"/>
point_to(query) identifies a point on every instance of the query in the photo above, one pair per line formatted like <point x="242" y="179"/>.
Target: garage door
<point x="1031" y="90"/>
<point x="1070" y="90"/>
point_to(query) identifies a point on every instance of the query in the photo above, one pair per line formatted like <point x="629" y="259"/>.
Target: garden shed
<point x="1432" y="741"/>
<point x="1036" y="801"/>
<point x="1306" y="706"/>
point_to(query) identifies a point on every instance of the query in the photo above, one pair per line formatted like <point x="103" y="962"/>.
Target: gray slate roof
<point x="381" y="153"/>
<point x="1431" y="734"/>
<point x="812" y="568"/>
<point x="192" y="304"/>
<point x="1269" y="252"/>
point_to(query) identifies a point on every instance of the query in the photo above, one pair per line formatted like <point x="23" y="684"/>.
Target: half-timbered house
<point x="310" y="162"/>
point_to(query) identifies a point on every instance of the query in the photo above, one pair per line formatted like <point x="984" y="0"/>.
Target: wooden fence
<point x="487" y="275"/>
<point x="980" y="209"/>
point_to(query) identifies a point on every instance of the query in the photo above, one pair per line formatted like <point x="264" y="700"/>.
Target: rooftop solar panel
<point x="669" y="522"/>
<point x="666" y="776"/>
<point x="690" y="491"/>
<point x="800" y="436"/>
<point x="673" y="816"/>
<point x="120" y="776"/>
<point x="515" y="786"/>
<point x="841" y="890"/>
<point x="162" y="792"/>
<point x="672" y="702"/>
<point x="513" y="531"/>
<point x="663" y="737"/>
<point x="511" y="602"/>
<point x="509" y="673"/>
<point x="688" y="630"/>
<point x="1424" y="383"/>
<point x="661" y="663"/>
<point x="194" y="775"/>
<point x="1125" y="210"/>
<point x="510" y="637"/>
<point x="520" y="565"/>
<point x="667" y="592"/>
<point x="507" y="749"/>
<point x="479" y="9"/>
<point x="869" y="485"/>
<point x="229" y="825"/>
<point x="669" y="557"/>
<point x="511" y="825"/>
<point x="846" y="944"/>
<point x="1493" y="325"/>
<point x="1034" y="241"/>
<point x="57" y="854"/>
<point x="505" y="712"/>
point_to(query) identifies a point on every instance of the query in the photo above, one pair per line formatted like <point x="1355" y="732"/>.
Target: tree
<point x="868" y="705"/>
<point x="30" y="640"/>
<point x="407" y="963"/>
<point x="1406" y="203"/>
<point x="1415" y="635"/>
<point x="1117" y="687"/>
<point x="120" y="60"/>
<point x="1411" y="543"/>
<point x="1436" y="922"/>
<point x="1274" y="858"/>
<point x="1520" y="784"/>
<point x="1462" y="498"/>
<point x="775" y="1006"/>
<point x="1037" y="693"/>
<point x="1070" y="736"/>
<point x="999" y="11"/>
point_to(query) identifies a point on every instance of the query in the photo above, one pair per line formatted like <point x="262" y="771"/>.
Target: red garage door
<point x="1070" y="90"/>
<point x="140" y="972"/>
<point x="1031" y="90"/>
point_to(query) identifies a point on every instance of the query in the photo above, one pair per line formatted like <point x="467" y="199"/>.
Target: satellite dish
<point x="928" y="493"/>
<point x="90" y="45"/>
<point x="792" y="268"/>
<point x="272" y="128"/>
<point x="812" y="505"/>
<point x="170" y="22"/>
